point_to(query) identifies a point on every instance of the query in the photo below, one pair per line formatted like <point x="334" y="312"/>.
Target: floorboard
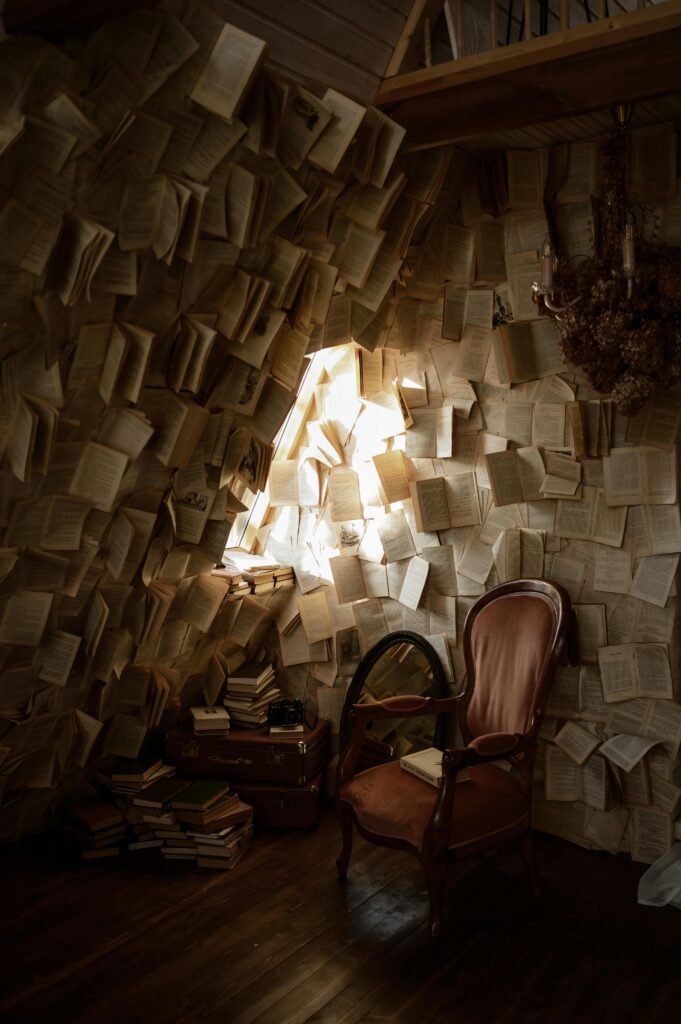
<point x="280" y="941"/>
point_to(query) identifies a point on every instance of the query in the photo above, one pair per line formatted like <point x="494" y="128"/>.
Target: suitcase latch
<point x="274" y="758"/>
<point x="229" y="760"/>
<point x="192" y="751"/>
<point x="281" y="802"/>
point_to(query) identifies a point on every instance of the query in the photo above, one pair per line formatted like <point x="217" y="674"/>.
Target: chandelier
<point x="616" y="222"/>
<point x="618" y="309"/>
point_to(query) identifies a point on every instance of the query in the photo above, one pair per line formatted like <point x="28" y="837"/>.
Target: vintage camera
<point x="285" y="712"/>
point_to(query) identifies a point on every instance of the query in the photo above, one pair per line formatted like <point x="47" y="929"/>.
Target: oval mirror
<point x="401" y="663"/>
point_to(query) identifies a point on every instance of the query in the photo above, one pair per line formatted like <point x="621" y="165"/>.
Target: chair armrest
<point x="489" y="747"/>
<point x="481" y="750"/>
<point x="407" y="706"/>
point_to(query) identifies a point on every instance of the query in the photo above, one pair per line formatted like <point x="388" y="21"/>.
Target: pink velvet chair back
<point x="514" y="637"/>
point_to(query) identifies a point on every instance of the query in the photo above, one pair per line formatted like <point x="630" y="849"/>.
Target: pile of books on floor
<point x="199" y="821"/>
<point x="215" y="821"/>
<point x="184" y="818"/>
<point x="250" y="690"/>
<point x="96" y="826"/>
<point x="126" y="776"/>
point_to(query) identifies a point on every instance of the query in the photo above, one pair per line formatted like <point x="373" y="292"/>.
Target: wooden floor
<point x="279" y="941"/>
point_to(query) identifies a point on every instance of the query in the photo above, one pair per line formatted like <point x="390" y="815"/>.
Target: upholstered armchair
<point x="514" y="638"/>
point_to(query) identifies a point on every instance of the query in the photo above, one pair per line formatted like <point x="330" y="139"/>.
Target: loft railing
<point x="453" y="75"/>
<point x="437" y="32"/>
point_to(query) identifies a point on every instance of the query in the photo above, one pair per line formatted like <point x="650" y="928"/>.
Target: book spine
<point x="433" y="780"/>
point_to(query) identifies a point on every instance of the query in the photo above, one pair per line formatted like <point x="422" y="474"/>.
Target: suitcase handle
<point x="229" y="760"/>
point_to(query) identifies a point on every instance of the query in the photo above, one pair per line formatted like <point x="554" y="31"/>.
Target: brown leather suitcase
<point x="252" y="754"/>
<point x="283" y="806"/>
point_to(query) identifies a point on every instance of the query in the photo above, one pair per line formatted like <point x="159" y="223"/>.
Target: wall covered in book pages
<point x="180" y="229"/>
<point x="458" y="452"/>
<point x="175" y="224"/>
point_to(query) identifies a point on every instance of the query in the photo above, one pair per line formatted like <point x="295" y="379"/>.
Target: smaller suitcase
<point x="283" y="806"/>
<point x="251" y="754"/>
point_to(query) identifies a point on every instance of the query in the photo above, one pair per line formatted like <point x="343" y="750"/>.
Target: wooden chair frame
<point x="518" y="748"/>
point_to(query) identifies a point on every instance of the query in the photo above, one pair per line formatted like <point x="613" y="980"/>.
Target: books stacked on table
<point x="210" y="721"/>
<point x="250" y="690"/>
<point x="210" y="814"/>
<point x="98" y="827"/>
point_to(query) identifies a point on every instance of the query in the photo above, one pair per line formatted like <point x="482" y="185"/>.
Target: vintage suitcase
<point x="283" y="806"/>
<point x="252" y="754"/>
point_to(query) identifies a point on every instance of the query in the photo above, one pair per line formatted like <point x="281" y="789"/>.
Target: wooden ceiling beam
<point x="621" y="59"/>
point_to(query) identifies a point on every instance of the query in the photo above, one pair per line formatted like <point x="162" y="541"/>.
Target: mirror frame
<point x="394" y="639"/>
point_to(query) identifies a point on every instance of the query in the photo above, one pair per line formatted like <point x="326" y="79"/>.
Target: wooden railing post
<point x="493" y="22"/>
<point x="564" y="14"/>
<point x="528" y="19"/>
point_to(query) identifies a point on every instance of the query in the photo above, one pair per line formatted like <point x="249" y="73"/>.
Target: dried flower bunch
<point x="624" y="346"/>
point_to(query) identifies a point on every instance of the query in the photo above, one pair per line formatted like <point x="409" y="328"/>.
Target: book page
<point x="395" y="536"/>
<point x="612" y="570"/>
<point x="346" y="116"/>
<point x="473" y="352"/>
<point x="562" y="780"/>
<point x="653" y="671"/>
<point x="421" y="439"/>
<point x="626" y="751"/>
<point x="315" y="616"/>
<point x="663" y="526"/>
<point x="283" y="483"/>
<point x="344" y="497"/>
<point x="504" y="477"/>
<point x="591" y="629"/>
<point x="653" y="578"/>
<point x="348" y="578"/>
<point x="462" y="500"/>
<point x="392" y="473"/>
<point x="618" y="672"/>
<point x="371" y="622"/>
<point x="414" y="582"/>
<point x="98" y="475"/>
<point x="624" y="477"/>
<point x="458" y="254"/>
<point x="576" y="742"/>
<point x="431" y="509"/>
<point x="24" y="617"/>
<point x="228" y="72"/>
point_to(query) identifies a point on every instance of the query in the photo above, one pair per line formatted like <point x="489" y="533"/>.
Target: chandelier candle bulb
<point x="629" y="257"/>
<point x="547" y="268"/>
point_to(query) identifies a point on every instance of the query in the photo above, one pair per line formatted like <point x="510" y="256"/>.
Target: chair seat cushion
<point x="394" y="804"/>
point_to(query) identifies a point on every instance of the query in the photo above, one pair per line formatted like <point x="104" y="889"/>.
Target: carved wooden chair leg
<point x="527" y="849"/>
<point x="436" y="877"/>
<point x="344" y="857"/>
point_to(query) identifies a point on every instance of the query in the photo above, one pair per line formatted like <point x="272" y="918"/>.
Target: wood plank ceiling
<point x="348" y="44"/>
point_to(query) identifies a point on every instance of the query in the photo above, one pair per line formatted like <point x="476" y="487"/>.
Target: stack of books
<point x="151" y="818"/>
<point x="210" y="721"/>
<point x="250" y="690"/>
<point x="98" y="827"/>
<point x="127" y="776"/>
<point x="224" y="849"/>
<point x="206" y="813"/>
